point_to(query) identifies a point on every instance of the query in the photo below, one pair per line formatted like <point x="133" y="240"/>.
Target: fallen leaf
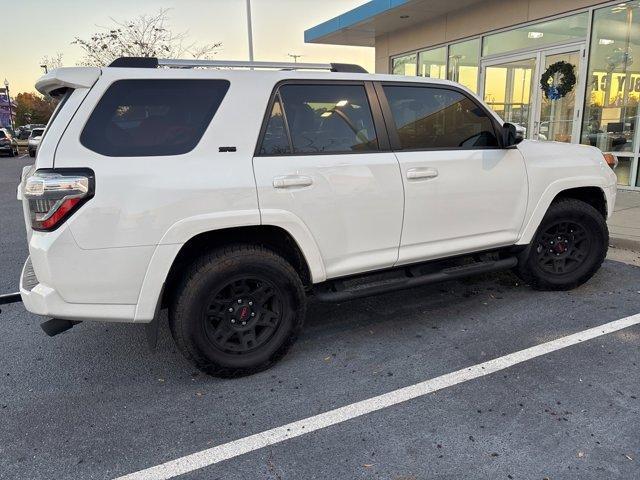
<point x="368" y="465"/>
<point x="580" y="454"/>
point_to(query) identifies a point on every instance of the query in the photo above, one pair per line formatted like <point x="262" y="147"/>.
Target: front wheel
<point x="568" y="248"/>
<point x="238" y="310"/>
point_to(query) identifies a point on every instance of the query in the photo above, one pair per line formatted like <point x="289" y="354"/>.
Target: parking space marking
<point x="235" y="448"/>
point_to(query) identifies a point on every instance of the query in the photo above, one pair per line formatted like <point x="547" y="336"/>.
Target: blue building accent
<point x="348" y="19"/>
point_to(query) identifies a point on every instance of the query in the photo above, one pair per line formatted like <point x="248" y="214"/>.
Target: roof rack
<point x="151" y="62"/>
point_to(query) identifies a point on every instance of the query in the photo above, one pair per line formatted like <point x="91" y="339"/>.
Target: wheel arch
<point x="589" y="190"/>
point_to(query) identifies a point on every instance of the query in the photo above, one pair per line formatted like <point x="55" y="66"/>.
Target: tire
<point x="260" y="288"/>
<point x="32" y="153"/>
<point x="568" y="248"/>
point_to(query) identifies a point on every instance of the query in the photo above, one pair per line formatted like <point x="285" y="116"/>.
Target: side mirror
<point x="512" y="134"/>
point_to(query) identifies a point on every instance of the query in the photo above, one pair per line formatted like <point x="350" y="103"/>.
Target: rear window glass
<point x="2" y="135"/>
<point x="37" y="133"/>
<point x="137" y="118"/>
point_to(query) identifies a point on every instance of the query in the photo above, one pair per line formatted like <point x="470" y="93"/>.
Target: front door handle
<point x="291" y="181"/>
<point x="421" y="173"/>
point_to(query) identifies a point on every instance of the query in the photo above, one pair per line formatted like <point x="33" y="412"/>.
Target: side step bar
<point x="332" y="293"/>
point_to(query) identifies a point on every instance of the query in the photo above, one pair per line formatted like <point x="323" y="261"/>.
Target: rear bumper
<point x="41" y="299"/>
<point x="62" y="280"/>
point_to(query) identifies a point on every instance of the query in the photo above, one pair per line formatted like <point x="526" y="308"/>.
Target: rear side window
<point x="309" y="119"/>
<point x="138" y="118"/>
<point x="437" y="118"/>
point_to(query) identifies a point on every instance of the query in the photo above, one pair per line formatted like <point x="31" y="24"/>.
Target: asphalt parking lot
<point x="96" y="403"/>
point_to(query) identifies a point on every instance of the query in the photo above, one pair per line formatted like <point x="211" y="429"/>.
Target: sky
<point x="47" y="27"/>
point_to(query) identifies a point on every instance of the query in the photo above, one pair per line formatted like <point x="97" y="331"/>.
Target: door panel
<point x="476" y="201"/>
<point x="463" y="192"/>
<point x="321" y="160"/>
<point x="352" y="206"/>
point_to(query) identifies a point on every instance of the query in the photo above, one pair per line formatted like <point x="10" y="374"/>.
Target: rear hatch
<point x="70" y="86"/>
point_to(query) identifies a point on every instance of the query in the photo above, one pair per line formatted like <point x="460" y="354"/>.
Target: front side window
<point x="136" y="118"/>
<point x="320" y="119"/>
<point x="436" y="118"/>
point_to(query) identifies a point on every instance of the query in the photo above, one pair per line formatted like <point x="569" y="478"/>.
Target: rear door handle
<point x="421" y="173"/>
<point x="291" y="181"/>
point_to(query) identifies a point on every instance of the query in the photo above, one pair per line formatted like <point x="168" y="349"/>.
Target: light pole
<point x="45" y="68"/>
<point x="6" y="89"/>
<point x="294" y="56"/>
<point x="249" y="30"/>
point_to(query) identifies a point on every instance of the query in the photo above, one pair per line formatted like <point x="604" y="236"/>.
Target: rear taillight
<point x="54" y="195"/>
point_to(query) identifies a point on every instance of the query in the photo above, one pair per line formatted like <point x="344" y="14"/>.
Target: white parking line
<point x="241" y="446"/>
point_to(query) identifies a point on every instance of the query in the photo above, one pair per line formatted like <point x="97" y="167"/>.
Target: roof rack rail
<point x="151" y="62"/>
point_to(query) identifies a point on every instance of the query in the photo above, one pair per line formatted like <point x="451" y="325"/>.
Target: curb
<point x="625" y="243"/>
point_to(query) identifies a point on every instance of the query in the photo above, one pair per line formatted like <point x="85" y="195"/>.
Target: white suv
<point x="230" y="196"/>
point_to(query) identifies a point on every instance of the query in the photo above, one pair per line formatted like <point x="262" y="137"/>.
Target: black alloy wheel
<point x="237" y="310"/>
<point x="567" y="250"/>
<point x="243" y="315"/>
<point x="563" y="247"/>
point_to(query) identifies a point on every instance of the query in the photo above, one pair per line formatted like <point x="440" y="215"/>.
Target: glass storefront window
<point x="613" y="83"/>
<point x="405" y="65"/>
<point x="562" y="30"/>
<point x="463" y="63"/>
<point x="433" y="63"/>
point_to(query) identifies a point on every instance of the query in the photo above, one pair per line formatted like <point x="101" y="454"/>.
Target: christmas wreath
<point x="567" y="82"/>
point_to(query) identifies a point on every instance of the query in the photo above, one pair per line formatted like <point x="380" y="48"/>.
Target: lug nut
<point x="239" y="300"/>
<point x="244" y="323"/>
<point x="231" y="310"/>
<point x="250" y="303"/>
<point x="253" y="314"/>
<point x="233" y="320"/>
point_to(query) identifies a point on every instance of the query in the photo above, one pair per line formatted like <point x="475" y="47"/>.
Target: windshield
<point x="37" y="132"/>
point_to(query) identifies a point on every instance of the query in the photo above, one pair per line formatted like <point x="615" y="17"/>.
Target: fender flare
<point x="550" y="193"/>
<point x="186" y="229"/>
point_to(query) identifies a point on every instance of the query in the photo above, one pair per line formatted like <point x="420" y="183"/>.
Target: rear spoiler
<point x="61" y="79"/>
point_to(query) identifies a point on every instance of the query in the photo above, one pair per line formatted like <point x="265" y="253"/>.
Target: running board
<point x="336" y="292"/>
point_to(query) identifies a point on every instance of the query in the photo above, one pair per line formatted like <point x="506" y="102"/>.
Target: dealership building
<point x="567" y="70"/>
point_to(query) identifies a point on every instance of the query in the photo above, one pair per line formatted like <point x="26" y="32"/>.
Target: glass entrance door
<point x="508" y="89"/>
<point x="510" y="85"/>
<point x="557" y="115"/>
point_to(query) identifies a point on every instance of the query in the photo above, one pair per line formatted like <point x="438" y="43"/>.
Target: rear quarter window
<point x="138" y="118"/>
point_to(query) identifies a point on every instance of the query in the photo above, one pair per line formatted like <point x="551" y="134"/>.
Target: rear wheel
<point x="568" y="248"/>
<point x="238" y="311"/>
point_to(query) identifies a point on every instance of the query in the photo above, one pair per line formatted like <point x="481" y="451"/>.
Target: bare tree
<point x="50" y="62"/>
<point x="143" y="36"/>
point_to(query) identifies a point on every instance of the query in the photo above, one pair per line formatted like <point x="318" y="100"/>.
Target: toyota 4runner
<point x="229" y="196"/>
